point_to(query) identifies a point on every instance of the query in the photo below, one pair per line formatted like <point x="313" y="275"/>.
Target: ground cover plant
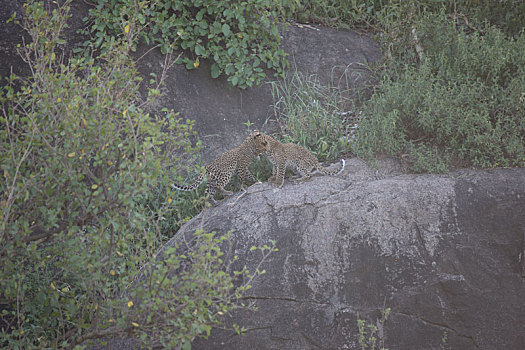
<point x="311" y="114"/>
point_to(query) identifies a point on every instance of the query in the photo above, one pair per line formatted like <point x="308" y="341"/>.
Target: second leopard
<point x="283" y="155"/>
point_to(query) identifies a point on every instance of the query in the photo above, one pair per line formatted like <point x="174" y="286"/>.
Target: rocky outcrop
<point x="442" y="251"/>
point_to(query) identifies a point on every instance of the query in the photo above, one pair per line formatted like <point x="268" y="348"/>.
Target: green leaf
<point x="275" y="31"/>
<point x="226" y="29"/>
<point x="215" y="72"/>
<point x="200" y="50"/>
<point x="199" y="15"/>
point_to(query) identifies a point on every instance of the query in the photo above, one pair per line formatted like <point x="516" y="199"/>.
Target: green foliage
<point x="508" y="16"/>
<point x="394" y="17"/>
<point x="240" y="37"/>
<point x="261" y="169"/>
<point x="310" y="115"/>
<point x="189" y="290"/>
<point x="444" y="341"/>
<point x="85" y="203"/>
<point x="464" y="102"/>
<point x="169" y="209"/>
<point x="371" y="336"/>
<point x="343" y="13"/>
<point x="397" y="23"/>
<point x="452" y="85"/>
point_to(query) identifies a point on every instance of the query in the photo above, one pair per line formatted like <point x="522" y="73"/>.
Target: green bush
<point x="464" y="103"/>
<point x="83" y="201"/>
<point x="240" y="37"/>
<point x="187" y="291"/>
<point x="393" y="21"/>
<point x="379" y="14"/>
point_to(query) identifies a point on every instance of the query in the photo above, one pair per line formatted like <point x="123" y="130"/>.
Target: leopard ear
<point x="256" y="133"/>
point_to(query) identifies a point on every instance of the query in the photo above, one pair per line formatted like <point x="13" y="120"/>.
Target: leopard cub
<point x="290" y="155"/>
<point x="219" y="172"/>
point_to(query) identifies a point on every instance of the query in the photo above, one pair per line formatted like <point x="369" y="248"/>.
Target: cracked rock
<point x="442" y="251"/>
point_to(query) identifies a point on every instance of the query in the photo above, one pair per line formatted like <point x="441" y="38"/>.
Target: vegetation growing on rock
<point x="84" y="198"/>
<point x="451" y="88"/>
<point x="460" y="104"/>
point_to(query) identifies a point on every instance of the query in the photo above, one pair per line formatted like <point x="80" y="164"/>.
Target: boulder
<point x="444" y="252"/>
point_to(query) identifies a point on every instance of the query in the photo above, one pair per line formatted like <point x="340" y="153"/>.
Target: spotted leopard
<point x="296" y="157"/>
<point x="219" y="172"/>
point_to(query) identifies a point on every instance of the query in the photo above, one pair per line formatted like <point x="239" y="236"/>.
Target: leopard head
<point x="260" y="142"/>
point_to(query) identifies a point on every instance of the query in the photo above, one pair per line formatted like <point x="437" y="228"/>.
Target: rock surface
<point x="442" y="251"/>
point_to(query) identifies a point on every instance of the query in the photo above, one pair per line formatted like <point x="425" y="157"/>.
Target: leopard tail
<point x="193" y="186"/>
<point x="333" y="172"/>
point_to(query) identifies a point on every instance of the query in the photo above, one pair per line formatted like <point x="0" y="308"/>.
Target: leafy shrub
<point x="79" y="159"/>
<point x="240" y="37"/>
<point x="310" y="115"/>
<point x="394" y="21"/>
<point x="188" y="291"/>
<point x="509" y="16"/>
<point x="464" y="102"/>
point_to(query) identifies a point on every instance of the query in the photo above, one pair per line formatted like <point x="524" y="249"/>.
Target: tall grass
<point x="311" y="114"/>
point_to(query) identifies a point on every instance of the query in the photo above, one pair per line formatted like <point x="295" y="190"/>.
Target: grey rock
<point x="442" y="251"/>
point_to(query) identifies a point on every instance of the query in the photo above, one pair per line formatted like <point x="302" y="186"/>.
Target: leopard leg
<point x="304" y="174"/>
<point x="281" y="168"/>
<point x="220" y="182"/>
<point x="239" y="197"/>
<point x="209" y="193"/>
<point x="274" y="172"/>
<point x="225" y="192"/>
<point x="303" y="178"/>
<point x="243" y="174"/>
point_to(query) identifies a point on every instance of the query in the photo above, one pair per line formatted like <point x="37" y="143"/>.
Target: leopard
<point x="290" y="155"/>
<point x="218" y="173"/>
